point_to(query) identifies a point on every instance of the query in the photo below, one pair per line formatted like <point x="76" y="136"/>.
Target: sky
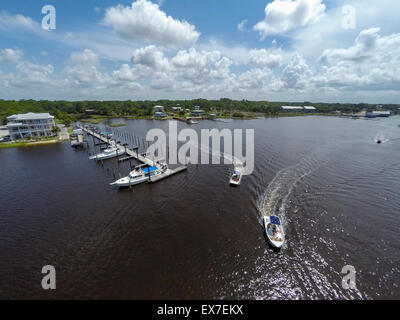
<point x="277" y="50"/>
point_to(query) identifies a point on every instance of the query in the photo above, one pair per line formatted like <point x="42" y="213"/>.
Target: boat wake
<point x="230" y="159"/>
<point x="381" y="138"/>
<point x="277" y="195"/>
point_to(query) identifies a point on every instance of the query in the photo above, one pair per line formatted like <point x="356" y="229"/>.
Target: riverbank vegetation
<point x="95" y="112"/>
<point x="28" y="143"/>
<point x="121" y="124"/>
<point x="5" y="145"/>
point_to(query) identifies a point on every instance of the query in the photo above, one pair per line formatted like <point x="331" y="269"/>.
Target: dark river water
<point x="192" y="236"/>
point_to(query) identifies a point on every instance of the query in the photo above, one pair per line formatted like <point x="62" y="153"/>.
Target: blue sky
<point x="287" y="50"/>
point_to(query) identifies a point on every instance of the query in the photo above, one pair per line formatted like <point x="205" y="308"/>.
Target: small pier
<point x="141" y="157"/>
<point x="76" y="140"/>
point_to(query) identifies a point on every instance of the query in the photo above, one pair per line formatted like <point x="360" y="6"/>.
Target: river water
<point x="192" y="236"/>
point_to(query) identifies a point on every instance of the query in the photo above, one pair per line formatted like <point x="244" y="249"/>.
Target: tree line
<point x="70" y="111"/>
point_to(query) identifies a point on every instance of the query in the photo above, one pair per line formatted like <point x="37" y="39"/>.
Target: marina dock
<point x="131" y="154"/>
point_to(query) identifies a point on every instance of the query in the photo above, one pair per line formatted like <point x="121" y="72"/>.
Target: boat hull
<point x="272" y="240"/>
<point x="103" y="156"/>
<point x="125" y="182"/>
<point x="129" y="182"/>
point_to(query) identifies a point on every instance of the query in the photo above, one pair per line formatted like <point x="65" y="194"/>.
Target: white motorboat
<point x="190" y="121"/>
<point x="274" y="231"/>
<point x="236" y="178"/>
<point x="108" y="153"/>
<point x="137" y="176"/>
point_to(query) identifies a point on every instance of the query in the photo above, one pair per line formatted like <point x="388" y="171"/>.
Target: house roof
<point x="30" y="116"/>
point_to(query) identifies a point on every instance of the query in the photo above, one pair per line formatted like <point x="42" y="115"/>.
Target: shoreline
<point x="27" y="144"/>
<point x="100" y="119"/>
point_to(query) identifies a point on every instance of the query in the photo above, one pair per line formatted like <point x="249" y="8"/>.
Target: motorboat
<point x="137" y="176"/>
<point x="236" y="178"/>
<point x="108" y="153"/>
<point x="274" y="231"/>
<point x="379" y="141"/>
<point x="190" y="121"/>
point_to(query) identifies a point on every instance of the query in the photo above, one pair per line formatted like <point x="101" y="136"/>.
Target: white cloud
<point x="144" y="21"/>
<point x="84" y="72"/>
<point x="239" y="54"/>
<point x="125" y="73"/>
<point x="201" y="67"/>
<point x="151" y="57"/>
<point x="254" y="79"/>
<point x="362" y="49"/>
<point x="87" y="58"/>
<point x="241" y="25"/>
<point x="264" y="58"/>
<point x="10" y="55"/>
<point x="371" y="63"/>
<point x="27" y="76"/>
<point x="284" y="15"/>
<point x="9" y="21"/>
<point x="297" y="74"/>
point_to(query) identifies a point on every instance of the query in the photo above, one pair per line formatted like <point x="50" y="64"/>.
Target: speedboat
<point x="379" y="142"/>
<point x="190" y="121"/>
<point x="108" y="153"/>
<point x="137" y="176"/>
<point x="236" y="178"/>
<point x="274" y="231"/>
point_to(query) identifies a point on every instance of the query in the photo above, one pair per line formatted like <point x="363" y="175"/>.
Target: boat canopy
<point x="237" y="173"/>
<point x="149" y="170"/>
<point x="275" y="220"/>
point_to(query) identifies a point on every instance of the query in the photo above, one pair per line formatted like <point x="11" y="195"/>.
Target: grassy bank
<point x="94" y="119"/>
<point x="5" y="145"/>
<point x="122" y="124"/>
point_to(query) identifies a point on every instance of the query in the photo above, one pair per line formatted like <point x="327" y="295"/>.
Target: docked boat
<point x="137" y="176"/>
<point x="236" y="178"/>
<point x="274" y="231"/>
<point x="108" y="153"/>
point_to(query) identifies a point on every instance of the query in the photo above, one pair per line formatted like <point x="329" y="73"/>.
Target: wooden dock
<point x="141" y="157"/>
<point x="167" y="173"/>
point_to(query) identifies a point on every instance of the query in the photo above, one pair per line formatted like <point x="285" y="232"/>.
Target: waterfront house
<point x="197" y="113"/>
<point x="158" y="109"/>
<point x="30" y="124"/>
<point x="159" y="115"/>
<point x="4" y="132"/>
